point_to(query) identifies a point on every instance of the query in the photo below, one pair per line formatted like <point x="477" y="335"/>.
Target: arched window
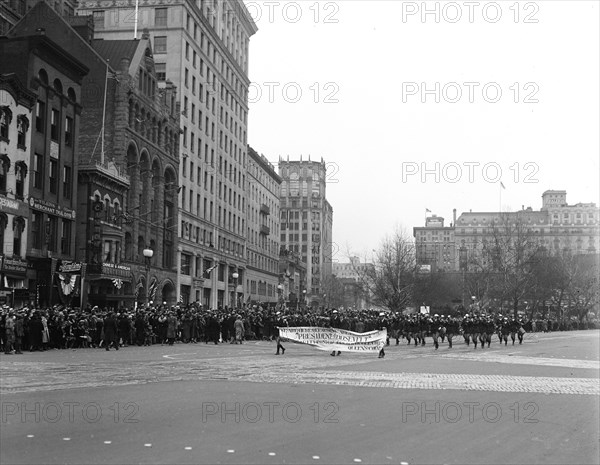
<point x="71" y="94"/>
<point x="4" y="169"/>
<point x="107" y="209"/>
<point x="5" y="120"/>
<point x="140" y="248"/>
<point x="58" y="87"/>
<point x="20" y="175"/>
<point x="18" y="228"/>
<point x="3" y="224"/>
<point x="43" y="76"/>
<point x="116" y="212"/>
<point x="22" y="128"/>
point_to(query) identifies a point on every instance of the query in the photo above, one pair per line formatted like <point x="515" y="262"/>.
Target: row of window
<point x="236" y="42"/>
<point x="261" y="288"/>
<point x="22" y="122"/>
<point x="55" y="124"/>
<point x="54" y="179"/>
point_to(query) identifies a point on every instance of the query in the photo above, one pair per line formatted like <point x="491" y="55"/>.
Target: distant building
<point x="292" y="278"/>
<point x="558" y="227"/>
<point x="262" y="219"/>
<point x="307" y="222"/>
<point x="435" y="247"/>
<point x="353" y="276"/>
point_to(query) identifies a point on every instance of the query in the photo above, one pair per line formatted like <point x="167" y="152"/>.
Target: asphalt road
<point x="194" y="403"/>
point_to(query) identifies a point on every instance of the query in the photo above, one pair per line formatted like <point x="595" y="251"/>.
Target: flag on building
<point x="153" y="288"/>
<point x="137" y="289"/>
<point x="427" y="210"/>
<point x="208" y="270"/>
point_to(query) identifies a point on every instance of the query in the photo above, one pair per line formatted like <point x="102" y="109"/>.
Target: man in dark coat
<point x="111" y="331"/>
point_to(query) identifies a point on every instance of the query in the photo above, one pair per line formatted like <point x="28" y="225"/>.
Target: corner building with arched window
<point x="126" y="172"/>
<point x="16" y="105"/>
<point x="203" y="48"/>
<point x="55" y="76"/>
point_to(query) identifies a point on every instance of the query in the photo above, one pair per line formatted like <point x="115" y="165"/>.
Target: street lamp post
<point x="235" y="277"/>
<point x="304" y="297"/>
<point x="148" y="253"/>
<point x="280" y="292"/>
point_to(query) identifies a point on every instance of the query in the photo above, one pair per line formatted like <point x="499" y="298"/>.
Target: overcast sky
<point x="364" y="68"/>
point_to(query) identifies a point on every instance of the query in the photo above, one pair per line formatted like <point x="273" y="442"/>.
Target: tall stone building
<point x="55" y="76"/>
<point x="202" y="48"/>
<point x="263" y="187"/>
<point x="307" y="222"/>
<point x="558" y="227"/>
<point x="434" y="245"/>
<point x="16" y="105"/>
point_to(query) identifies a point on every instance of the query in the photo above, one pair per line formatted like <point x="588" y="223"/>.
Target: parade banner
<point x="336" y="339"/>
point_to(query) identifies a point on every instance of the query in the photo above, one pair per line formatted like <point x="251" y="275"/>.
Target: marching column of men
<point x="42" y="329"/>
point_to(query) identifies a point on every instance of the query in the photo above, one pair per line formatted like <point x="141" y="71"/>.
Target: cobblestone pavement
<point x="255" y="363"/>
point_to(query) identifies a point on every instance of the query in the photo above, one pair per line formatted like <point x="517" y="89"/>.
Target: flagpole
<point x="103" y="115"/>
<point x="135" y="21"/>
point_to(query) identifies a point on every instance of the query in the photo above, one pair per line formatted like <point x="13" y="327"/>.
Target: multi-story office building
<point x="16" y="104"/>
<point x="435" y="247"/>
<point x="202" y="48"/>
<point x="262" y="218"/>
<point x="307" y="222"/>
<point x="11" y="11"/>
<point x="55" y="76"/>
<point x="558" y="227"/>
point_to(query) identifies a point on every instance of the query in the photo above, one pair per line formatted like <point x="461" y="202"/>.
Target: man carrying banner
<point x="280" y="322"/>
<point x="337" y="340"/>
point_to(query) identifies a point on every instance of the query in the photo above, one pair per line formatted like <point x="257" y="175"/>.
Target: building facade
<point x="292" y="279"/>
<point x="55" y="76"/>
<point x="129" y="180"/>
<point x="307" y="222"/>
<point x="558" y="227"/>
<point x="16" y="105"/>
<point x="263" y="190"/>
<point x="435" y="246"/>
<point x="353" y="276"/>
<point x="202" y="48"/>
<point x="11" y="11"/>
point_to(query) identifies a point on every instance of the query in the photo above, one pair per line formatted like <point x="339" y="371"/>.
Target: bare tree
<point x="506" y="261"/>
<point x="391" y="279"/>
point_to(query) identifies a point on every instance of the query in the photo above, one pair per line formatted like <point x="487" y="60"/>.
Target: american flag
<point x="208" y="270"/>
<point x="153" y="288"/>
<point x="137" y="288"/>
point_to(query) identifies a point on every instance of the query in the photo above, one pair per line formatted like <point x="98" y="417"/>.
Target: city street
<point x="195" y="403"/>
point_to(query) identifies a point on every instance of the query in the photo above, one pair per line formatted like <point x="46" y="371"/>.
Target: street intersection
<point x="197" y="403"/>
